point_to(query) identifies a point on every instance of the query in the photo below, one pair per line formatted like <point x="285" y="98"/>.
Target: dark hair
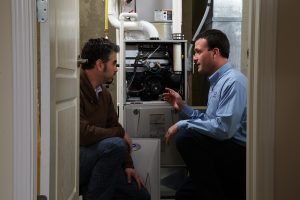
<point x="216" y="39"/>
<point x="99" y="48"/>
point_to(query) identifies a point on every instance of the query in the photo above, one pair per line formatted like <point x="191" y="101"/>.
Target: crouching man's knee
<point x="113" y="145"/>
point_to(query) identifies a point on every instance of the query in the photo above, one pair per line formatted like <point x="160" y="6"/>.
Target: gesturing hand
<point x="173" y="98"/>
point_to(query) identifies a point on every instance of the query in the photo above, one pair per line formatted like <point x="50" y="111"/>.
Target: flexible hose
<point x="189" y="59"/>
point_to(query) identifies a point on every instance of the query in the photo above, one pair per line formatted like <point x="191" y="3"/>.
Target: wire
<point x="153" y="52"/>
<point x="134" y="71"/>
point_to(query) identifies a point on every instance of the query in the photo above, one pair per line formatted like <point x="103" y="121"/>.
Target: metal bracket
<point x="42" y="10"/>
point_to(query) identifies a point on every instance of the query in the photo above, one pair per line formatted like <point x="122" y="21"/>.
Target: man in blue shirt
<point x="212" y="143"/>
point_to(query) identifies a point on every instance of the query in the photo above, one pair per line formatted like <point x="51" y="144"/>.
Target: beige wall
<point x="92" y="26"/>
<point x="287" y="144"/>
<point x="6" y="129"/>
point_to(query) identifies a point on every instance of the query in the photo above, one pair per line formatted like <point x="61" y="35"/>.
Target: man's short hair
<point x="99" y="48"/>
<point x="216" y="39"/>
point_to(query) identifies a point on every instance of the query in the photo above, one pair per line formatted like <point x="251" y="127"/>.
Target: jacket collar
<point x="86" y="87"/>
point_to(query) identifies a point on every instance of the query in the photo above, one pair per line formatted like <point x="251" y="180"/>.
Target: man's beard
<point x="109" y="82"/>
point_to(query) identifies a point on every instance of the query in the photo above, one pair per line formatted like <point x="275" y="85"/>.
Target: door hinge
<point x="42" y="10"/>
<point x="41" y="197"/>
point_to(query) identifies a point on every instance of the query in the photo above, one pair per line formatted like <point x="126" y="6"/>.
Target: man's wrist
<point x="180" y="107"/>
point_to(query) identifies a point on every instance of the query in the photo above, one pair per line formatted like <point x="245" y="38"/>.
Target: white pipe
<point x="177" y="21"/>
<point x="130" y="25"/>
<point x="149" y="28"/>
<point x="177" y="15"/>
<point x="121" y="74"/>
<point x="177" y="64"/>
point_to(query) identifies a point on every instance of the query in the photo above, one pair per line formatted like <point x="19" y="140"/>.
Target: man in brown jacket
<point x="106" y="168"/>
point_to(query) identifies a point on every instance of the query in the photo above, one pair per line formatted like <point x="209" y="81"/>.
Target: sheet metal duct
<point x="227" y="16"/>
<point x="146" y="8"/>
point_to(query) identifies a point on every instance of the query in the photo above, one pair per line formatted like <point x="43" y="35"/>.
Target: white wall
<point x="6" y="92"/>
<point x="287" y="135"/>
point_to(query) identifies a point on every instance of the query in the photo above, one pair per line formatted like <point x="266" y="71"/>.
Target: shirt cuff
<point x="181" y="124"/>
<point x="186" y="110"/>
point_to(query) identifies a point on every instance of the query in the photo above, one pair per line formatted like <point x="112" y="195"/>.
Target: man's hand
<point x="171" y="131"/>
<point x="173" y="98"/>
<point x="129" y="141"/>
<point x="132" y="173"/>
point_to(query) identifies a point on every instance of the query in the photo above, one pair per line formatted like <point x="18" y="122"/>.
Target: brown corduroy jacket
<point x="98" y="117"/>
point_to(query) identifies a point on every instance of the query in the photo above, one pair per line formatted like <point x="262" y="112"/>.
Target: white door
<point x="59" y="38"/>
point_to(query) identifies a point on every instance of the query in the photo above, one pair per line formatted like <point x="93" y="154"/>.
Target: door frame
<point x="24" y="56"/>
<point x="261" y="99"/>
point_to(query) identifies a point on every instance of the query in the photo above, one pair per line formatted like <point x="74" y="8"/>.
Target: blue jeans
<point x="102" y="176"/>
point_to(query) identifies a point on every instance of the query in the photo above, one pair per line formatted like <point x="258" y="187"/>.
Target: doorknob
<point x="81" y="61"/>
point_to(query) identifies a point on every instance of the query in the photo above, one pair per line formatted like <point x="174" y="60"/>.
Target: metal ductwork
<point x="227" y="17"/>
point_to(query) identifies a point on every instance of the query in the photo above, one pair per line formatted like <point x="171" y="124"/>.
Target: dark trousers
<point x="102" y="176"/>
<point x="217" y="168"/>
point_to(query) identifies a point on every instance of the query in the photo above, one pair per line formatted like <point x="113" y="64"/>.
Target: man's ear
<point x="99" y="64"/>
<point x="216" y="51"/>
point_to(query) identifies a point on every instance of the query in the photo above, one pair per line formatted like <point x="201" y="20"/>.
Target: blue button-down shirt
<point x="225" y="116"/>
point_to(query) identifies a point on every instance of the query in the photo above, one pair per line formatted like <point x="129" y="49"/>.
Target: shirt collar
<point x="98" y="90"/>
<point x="219" y="73"/>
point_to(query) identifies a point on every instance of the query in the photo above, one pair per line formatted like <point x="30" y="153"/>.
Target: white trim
<point x="24" y="99"/>
<point x="261" y="101"/>
<point x="45" y="107"/>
